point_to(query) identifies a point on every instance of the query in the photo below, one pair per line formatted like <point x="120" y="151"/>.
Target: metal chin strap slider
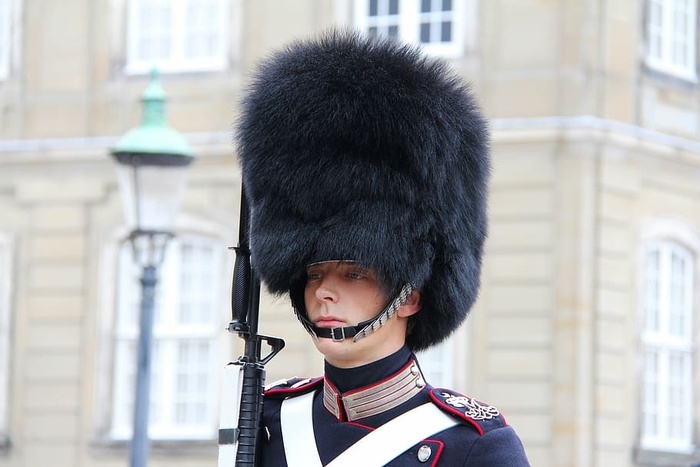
<point x="338" y="334"/>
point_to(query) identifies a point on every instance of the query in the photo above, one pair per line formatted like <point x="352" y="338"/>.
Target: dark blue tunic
<point x="472" y="442"/>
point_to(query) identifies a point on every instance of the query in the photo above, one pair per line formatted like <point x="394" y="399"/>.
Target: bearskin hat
<point x="361" y="148"/>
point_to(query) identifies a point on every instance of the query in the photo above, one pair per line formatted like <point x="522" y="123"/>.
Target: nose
<point x="327" y="290"/>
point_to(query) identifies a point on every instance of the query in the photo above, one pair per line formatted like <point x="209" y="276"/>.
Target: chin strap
<point x="365" y="327"/>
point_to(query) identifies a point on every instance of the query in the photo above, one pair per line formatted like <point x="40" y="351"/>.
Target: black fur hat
<point x="363" y="149"/>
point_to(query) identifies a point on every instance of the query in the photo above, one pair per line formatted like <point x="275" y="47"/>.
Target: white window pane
<point x="436" y="364"/>
<point x="677" y="295"/>
<point x="680" y="306"/>
<point x="383" y="7"/>
<point x="5" y="35"/>
<point x="128" y="292"/>
<point x="198" y="29"/>
<point x="154" y="29"/>
<point x="679" y="389"/>
<point x="373" y="8"/>
<point x="667" y="378"/>
<point x="431" y="23"/>
<point x="192" y="381"/>
<point x="177" y="35"/>
<point x="196" y="276"/>
<point x="425" y="32"/>
<point x="652" y="290"/>
<point x="393" y="7"/>
<point x="124" y="382"/>
<point x="5" y="301"/>
<point x="182" y="375"/>
<point x="446" y="31"/>
<point x="158" y="384"/>
<point x="650" y="394"/>
<point x="655" y="29"/>
<point x="671" y="32"/>
<point x="383" y="18"/>
<point x="435" y="21"/>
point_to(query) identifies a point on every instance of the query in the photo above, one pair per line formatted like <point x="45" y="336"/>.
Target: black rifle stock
<point x="245" y="303"/>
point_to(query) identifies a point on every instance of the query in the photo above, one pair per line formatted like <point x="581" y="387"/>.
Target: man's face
<point x="340" y="294"/>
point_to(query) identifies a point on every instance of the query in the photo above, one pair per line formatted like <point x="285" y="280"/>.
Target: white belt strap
<point x="296" y="418"/>
<point x="375" y="449"/>
<point x="394" y="437"/>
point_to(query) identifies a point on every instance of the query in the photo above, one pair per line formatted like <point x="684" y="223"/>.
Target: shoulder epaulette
<point x="292" y="387"/>
<point x="482" y="416"/>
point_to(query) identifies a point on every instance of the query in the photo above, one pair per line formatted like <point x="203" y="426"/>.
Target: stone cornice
<point x="505" y="131"/>
<point x="96" y="148"/>
<point x="587" y="128"/>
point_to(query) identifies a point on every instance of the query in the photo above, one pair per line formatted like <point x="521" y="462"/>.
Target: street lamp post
<point x="152" y="162"/>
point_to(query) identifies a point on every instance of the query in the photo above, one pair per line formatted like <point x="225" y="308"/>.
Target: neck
<point x="348" y="379"/>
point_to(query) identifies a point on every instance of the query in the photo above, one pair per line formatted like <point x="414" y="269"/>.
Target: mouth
<point x="329" y="322"/>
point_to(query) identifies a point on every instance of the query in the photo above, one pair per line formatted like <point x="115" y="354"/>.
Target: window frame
<point x="409" y="22"/>
<point x="169" y="334"/>
<point x="666" y="35"/>
<point x="6" y="273"/>
<point x="657" y="339"/>
<point x="6" y="8"/>
<point x="177" y="61"/>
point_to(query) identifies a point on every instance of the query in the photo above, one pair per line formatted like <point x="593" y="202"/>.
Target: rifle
<point x="244" y="379"/>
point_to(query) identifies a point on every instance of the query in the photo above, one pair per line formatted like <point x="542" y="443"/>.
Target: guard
<point x="366" y="166"/>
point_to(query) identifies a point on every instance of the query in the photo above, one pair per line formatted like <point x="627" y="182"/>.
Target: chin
<point x="329" y="346"/>
<point x="341" y="354"/>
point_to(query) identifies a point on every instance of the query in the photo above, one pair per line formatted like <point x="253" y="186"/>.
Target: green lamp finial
<point x="154" y="136"/>
<point x="153" y="99"/>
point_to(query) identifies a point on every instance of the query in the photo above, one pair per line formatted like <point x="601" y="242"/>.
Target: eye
<point x="356" y="275"/>
<point x="313" y="276"/>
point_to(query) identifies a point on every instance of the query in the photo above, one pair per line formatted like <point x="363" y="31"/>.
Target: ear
<point x="411" y="306"/>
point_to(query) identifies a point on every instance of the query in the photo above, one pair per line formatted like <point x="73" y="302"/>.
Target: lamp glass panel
<point x="151" y="195"/>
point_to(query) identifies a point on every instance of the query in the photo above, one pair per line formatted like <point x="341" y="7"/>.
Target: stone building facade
<point x="587" y="328"/>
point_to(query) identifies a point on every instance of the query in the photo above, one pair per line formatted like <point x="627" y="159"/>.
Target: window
<point x="435" y="24"/>
<point x="5" y="293"/>
<point x="672" y="36"/>
<point x="667" y="340"/>
<point x="185" y="360"/>
<point x="436" y="364"/>
<point x="176" y="35"/>
<point x="5" y="35"/>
